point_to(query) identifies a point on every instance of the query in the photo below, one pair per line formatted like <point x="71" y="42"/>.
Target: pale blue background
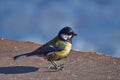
<point x="97" y="22"/>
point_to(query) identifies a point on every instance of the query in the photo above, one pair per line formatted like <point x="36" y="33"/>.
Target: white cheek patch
<point x="64" y="36"/>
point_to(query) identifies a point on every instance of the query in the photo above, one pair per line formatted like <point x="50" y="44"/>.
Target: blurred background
<point x="97" y="22"/>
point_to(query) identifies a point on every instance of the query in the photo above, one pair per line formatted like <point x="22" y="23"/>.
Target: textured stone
<point x="79" y="65"/>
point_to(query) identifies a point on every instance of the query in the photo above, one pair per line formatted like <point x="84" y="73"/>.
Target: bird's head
<point x="66" y="34"/>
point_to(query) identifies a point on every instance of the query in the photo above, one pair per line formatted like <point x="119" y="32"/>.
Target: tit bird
<point x="56" y="49"/>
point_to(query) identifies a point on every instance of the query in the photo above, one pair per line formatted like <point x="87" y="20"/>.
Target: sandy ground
<point x="78" y="65"/>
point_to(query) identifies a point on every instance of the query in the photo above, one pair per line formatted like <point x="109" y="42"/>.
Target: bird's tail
<point x="23" y="56"/>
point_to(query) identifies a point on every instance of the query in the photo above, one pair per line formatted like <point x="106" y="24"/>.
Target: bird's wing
<point x="49" y="48"/>
<point x="45" y="49"/>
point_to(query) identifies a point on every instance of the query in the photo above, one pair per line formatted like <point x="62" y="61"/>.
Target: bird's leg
<point x="56" y="66"/>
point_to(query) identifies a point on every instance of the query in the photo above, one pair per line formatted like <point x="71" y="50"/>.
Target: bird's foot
<point x="56" y="68"/>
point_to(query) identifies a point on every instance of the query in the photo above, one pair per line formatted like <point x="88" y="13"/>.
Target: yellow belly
<point x="62" y="54"/>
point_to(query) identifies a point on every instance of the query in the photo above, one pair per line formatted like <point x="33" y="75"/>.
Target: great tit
<point x="56" y="49"/>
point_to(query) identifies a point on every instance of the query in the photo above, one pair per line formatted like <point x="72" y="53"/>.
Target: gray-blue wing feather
<point x="45" y="49"/>
<point x="48" y="48"/>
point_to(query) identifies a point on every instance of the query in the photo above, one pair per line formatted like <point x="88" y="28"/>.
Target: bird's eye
<point x="70" y="33"/>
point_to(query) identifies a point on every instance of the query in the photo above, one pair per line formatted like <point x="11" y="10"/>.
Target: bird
<point x="54" y="50"/>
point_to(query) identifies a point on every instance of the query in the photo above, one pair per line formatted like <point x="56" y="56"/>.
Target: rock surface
<point x="79" y="65"/>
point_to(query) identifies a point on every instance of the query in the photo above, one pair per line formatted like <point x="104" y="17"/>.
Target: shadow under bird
<point x="56" y="49"/>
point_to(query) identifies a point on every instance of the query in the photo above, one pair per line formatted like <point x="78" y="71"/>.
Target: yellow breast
<point x="63" y="53"/>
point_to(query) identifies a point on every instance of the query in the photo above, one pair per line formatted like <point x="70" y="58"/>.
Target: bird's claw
<point x="56" y="68"/>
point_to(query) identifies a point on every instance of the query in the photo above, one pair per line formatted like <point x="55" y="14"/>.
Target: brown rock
<point x="78" y="65"/>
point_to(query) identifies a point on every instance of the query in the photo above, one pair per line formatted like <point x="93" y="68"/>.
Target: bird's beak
<point x="74" y="34"/>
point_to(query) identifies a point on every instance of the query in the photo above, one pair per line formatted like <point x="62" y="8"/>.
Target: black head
<point x="66" y="34"/>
